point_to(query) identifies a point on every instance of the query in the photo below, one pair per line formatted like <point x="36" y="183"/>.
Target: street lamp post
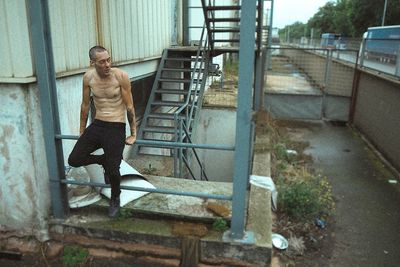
<point x="384" y="13"/>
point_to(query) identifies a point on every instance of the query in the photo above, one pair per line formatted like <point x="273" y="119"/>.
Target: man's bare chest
<point x="105" y="89"/>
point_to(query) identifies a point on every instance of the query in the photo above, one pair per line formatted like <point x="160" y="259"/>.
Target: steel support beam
<point x="259" y="80"/>
<point x="243" y="121"/>
<point x="269" y="40"/>
<point x="154" y="190"/>
<point x="44" y="66"/>
<point x="186" y="22"/>
<point x="165" y="143"/>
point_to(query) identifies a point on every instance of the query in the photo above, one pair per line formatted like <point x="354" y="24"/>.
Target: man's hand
<point x="130" y="140"/>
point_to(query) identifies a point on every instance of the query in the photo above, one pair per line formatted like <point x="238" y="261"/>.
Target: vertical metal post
<point x="329" y="55"/>
<point x="260" y="63"/>
<point x="397" y="69"/>
<point x="362" y="50"/>
<point x="259" y="82"/>
<point x="180" y="134"/>
<point x="185" y="22"/>
<point x="44" y="66"/>
<point x="269" y="51"/>
<point x="243" y="119"/>
<point x="384" y="13"/>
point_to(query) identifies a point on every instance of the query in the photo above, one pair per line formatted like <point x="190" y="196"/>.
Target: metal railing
<point x="165" y="144"/>
<point x="191" y="106"/>
<point x="373" y="53"/>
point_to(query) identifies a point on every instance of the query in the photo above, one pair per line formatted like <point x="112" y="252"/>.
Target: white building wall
<point x="133" y="31"/>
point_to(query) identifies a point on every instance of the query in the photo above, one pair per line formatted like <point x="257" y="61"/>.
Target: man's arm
<point x="85" y="104"/>
<point x="126" y="92"/>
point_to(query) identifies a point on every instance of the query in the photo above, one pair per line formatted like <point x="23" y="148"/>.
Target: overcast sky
<point x="287" y="12"/>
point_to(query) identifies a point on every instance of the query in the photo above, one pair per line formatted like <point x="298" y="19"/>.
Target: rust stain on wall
<point x="28" y="181"/>
<point x="13" y="96"/>
<point x="5" y="136"/>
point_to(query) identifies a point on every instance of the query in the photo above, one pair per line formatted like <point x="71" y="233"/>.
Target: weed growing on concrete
<point x="150" y="170"/>
<point x="305" y="198"/>
<point x="74" y="255"/>
<point x="220" y="225"/>
<point x="303" y="194"/>
<point x="231" y="69"/>
<point x="124" y="214"/>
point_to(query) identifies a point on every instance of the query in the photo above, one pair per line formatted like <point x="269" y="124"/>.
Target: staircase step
<point x="176" y="91"/>
<point x="182" y="69"/>
<point x="210" y="8"/>
<point x="226" y="40"/>
<point x="177" y="80"/>
<point x="182" y="59"/>
<point x="171" y="91"/>
<point x="223" y="19"/>
<point x="225" y="30"/>
<point x="167" y="103"/>
<point x="159" y="129"/>
<point x="163" y="116"/>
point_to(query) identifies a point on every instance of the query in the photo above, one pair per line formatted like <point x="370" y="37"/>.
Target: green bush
<point x="306" y="198"/>
<point x="74" y="255"/>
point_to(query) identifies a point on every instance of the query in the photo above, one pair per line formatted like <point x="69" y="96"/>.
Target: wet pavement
<point x="367" y="227"/>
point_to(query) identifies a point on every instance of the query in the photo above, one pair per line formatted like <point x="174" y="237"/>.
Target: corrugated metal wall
<point x="133" y="30"/>
<point x="15" y="49"/>
<point x="73" y="32"/>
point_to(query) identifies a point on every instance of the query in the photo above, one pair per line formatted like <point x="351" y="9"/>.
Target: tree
<point x="366" y="13"/>
<point x="350" y="18"/>
<point x="341" y="18"/>
<point x="323" y="19"/>
<point x="295" y="31"/>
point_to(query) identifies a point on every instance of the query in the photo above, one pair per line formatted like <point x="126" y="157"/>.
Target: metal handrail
<point x="166" y="144"/>
<point x="189" y="104"/>
<point x="202" y="171"/>
<point x="152" y="190"/>
<point x="210" y="36"/>
<point x="179" y="110"/>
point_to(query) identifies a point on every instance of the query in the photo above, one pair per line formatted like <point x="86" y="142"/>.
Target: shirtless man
<point x="111" y="92"/>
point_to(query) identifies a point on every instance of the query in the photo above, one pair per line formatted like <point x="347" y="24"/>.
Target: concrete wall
<point x="24" y="187"/>
<point x="216" y="126"/>
<point x="134" y="32"/>
<point x="377" y="114"/>
<point x="333" y="77"/>
<point x="24" y="191"/>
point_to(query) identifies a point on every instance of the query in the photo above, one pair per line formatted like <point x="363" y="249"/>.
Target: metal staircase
<point x="223" y="22"/>
<point x="174" y="105"/>
<point x="175" y="100"/>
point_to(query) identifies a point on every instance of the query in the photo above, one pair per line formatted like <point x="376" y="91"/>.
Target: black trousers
<point x="110" y="136"/>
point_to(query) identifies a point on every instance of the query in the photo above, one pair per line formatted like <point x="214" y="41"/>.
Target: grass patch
<point x="303" y="193"/>
<point x="74" y="255"/>
<point x="231" y="68"/>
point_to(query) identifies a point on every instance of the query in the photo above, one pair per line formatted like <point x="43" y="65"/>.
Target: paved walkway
<point x="367" y="230"/>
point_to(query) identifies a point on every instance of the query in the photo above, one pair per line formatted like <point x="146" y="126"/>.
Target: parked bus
<point x="381" y="43"/>
<point x="332" y="40"/>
